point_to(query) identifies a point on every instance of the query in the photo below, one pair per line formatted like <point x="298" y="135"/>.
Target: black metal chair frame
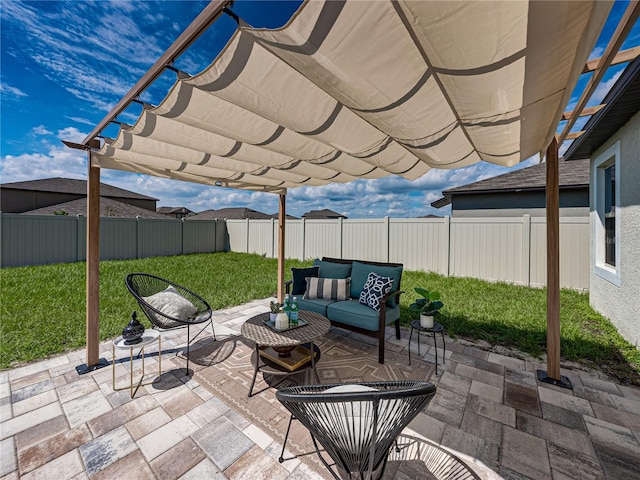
<point x="144" y="285"/>
<point x="356" y="429"/>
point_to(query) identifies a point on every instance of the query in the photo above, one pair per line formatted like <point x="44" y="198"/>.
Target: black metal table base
<point x="437" y="328"/>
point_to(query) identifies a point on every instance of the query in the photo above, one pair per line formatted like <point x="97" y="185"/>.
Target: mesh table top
<point x="255" y="330"/>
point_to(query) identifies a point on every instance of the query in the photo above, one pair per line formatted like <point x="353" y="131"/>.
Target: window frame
<point x="611" y="156"/>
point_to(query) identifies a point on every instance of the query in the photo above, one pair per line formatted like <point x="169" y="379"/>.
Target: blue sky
<point x="65" y="64"/>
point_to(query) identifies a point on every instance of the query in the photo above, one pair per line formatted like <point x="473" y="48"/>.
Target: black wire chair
<point x="142" y="286"/>
<point x="356" y="424"/>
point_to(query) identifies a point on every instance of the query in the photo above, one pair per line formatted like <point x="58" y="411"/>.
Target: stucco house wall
<point x="621" y="303"/>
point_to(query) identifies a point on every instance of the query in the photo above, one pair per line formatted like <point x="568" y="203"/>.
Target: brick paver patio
<point x="489" y="409"/>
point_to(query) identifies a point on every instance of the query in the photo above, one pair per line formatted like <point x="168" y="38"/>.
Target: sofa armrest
<point x="395" y="293"/>
<point x="287" y="286"/>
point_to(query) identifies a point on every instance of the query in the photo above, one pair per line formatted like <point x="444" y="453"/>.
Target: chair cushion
<point x="170" y="303"/>
<point x="317" y="306"/>
<point x="299" y="278"/>
<point x="332" y="269"/>
<point x="360" y="273"/>
<point x="327" y="288"/>
<point x="356" y="314"/>
<point x="374" y="289"/>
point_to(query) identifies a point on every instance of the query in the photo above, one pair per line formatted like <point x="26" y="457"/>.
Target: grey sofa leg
<point x="398" y="329"/>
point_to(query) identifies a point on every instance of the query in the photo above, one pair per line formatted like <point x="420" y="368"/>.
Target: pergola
<point x="351" y="89"/>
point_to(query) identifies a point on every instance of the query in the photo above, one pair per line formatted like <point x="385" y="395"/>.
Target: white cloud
<point x="72" y="134"/>
<point x="59" y="161"/>
<point x="41" y="130"/>
<point x="12" y="91"/>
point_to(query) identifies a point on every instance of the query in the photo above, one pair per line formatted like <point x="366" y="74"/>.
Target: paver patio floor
<point x="489" y="410"/>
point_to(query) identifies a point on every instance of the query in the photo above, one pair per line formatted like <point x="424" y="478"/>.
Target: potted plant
<point x="274" y="309"/>
<point x="428" y="305"/>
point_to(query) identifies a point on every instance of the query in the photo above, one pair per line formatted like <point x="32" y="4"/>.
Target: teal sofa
<point x="351" y="314"/>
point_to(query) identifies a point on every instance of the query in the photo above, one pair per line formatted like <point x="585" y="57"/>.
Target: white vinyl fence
<point x="497" y="249"/>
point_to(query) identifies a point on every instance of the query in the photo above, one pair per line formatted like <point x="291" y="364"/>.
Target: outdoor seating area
<point x="489" y="417"/>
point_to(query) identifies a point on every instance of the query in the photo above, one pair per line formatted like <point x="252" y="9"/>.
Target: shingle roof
<point x="70" y="185"/>
<point x="621" y="103"/>
<point x="572" y="175"/>
<point x="230" y="213"/>
<point x="325" y="213"/>
<point x="173" y="210"/>
<point x="108" y="208"/>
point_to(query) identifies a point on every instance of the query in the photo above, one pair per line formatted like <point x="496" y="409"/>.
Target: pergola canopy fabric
<point x="366" y="89"/>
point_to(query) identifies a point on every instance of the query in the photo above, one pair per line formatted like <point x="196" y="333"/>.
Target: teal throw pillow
<point x="333" y="270"/>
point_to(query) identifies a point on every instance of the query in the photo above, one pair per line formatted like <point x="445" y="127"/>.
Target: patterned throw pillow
<point x="374" y="289"/>
<point x="327" y="288"/>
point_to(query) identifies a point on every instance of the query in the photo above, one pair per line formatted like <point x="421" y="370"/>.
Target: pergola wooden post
<point x="552" y="375"/>
<point x="93" y="360"/>
<point x="282" y="215"/>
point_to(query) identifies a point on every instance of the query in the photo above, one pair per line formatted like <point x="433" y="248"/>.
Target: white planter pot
<point x="282" y="321"/>
<point x="426" y="321"/>
<point x="272" y="317"/>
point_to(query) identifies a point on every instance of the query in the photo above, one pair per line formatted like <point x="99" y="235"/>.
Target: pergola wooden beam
<point x="574" y="135"/>
<point x="585" y="112"/>
<point x="621" y="57"/>
<point x="624" y="27"/>
<point x="209" y="15"/>
<point x="186" y="38"/>
<point x="552" y="375"/>
<point x="282" y="215"/>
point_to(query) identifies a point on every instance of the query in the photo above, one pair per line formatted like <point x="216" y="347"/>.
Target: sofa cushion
<point x="374" y="289"/>
<point x="356" y="314"/>
<point x="327" y="288"/>
<point x="299" y="278"/>
<point x="319" y="306"/>
<point x="332" y="269"/>
<point x="360" y="272"/>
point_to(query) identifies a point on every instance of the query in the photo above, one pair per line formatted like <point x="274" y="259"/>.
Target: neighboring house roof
<point x="70" y="185"/>
<point x="621" y="103"/>
<point x="108" y="208"/>
<point x="174" y="210"/>
<point x="289" y="217"/>
<point x="325" y="213"/>
<point x="230" y="214"/>
<point x="572" y="175"/>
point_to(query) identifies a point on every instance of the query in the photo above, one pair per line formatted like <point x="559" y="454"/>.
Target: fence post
<point x="341" y="235"/>
<point x="273" y="237"/>
<point x="304" y="237"/>
<point x="182" y="230"/>
<point x="526" y="249"/>
<point x="138" y="238"/>
<point x="247" y="234"/>
<point x="446" y="245"/>
<point x="386" y="237"/>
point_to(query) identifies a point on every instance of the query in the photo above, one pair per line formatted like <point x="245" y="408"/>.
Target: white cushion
<point x="169" y="302"/>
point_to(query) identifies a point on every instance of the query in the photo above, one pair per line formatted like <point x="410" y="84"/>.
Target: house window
<point x="606" y="214"/>
<point x="610" y="215"/>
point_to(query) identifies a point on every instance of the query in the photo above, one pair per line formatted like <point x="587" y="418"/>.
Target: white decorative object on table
<point x="282" y="321"/>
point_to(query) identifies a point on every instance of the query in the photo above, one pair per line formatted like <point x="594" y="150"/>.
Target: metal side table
<point x="148" y="338"/>
<point x="437" y="328"/>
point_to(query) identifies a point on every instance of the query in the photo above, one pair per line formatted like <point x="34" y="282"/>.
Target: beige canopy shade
<point x="350" y="90"/>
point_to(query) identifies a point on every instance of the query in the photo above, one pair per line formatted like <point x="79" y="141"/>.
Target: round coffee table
<point x="269" y="344"/>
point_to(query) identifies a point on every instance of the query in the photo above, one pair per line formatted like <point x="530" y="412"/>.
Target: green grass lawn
<point x="43" y="307"/>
